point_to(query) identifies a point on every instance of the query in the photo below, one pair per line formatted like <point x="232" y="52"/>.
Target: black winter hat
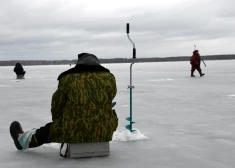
<point x="81" y="55"/>
<point x="87" y="59"/>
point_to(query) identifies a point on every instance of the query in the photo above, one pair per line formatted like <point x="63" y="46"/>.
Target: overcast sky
<point x="60" y="29"/>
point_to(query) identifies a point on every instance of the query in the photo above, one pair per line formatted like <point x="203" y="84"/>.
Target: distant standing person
<point x="19" y="70"/>
<point x="195" y="62"/>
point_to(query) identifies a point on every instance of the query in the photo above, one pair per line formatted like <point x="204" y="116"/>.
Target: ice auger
<point x="129" y="127"/>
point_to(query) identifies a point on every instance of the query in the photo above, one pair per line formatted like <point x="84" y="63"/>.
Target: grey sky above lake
<point x="60" y="29"/>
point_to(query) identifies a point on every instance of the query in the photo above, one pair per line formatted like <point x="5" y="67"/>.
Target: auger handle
<point x="128" y="31"/>
<point x="127" y="28"/>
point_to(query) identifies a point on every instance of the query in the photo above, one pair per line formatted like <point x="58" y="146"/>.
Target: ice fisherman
<point x="195" y="62"/>
<point x="19" y="70"/>
<point x="81" y="108"/>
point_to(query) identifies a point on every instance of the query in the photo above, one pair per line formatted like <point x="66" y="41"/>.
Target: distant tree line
<point x="116" y="60"/>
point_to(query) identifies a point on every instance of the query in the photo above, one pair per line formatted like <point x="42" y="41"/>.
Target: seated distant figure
<point x="19" y="70"/>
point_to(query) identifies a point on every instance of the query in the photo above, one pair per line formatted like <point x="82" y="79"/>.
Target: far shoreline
<point x="116" y="60"/>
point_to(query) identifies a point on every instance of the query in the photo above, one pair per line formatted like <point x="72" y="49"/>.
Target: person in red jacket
<point x="195" y="61"/>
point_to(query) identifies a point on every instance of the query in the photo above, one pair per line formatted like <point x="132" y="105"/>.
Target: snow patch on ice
<point x="4" y="85"/>
<point x="128" y="136"/>
<point x="157" y="80"/>
<point x="233" y="95"/>
<point x="117" y="136"/>
<point x="225" y="141"/>
<point x="52" y="145"/>
<point x="15" y="80"/>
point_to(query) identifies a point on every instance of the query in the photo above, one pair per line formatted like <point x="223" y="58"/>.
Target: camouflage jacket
<point x="81" y="107"/>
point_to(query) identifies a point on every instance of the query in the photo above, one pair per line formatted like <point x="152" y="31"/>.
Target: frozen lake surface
<point x="183" y="122"/>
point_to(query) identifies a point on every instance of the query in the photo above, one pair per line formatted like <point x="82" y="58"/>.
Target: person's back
<point x="19" y="70"/>
<point x="86" y="115"/>
<point x="195" y="59"/>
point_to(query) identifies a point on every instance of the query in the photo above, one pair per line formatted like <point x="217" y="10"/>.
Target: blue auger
<point x="129" y="127"/>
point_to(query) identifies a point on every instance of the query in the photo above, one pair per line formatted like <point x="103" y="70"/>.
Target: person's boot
<point x="192" y="74"/>
<point x="15" y="130"/>
<point x="201" y="74"/>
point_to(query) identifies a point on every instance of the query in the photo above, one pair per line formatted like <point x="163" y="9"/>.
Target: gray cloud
<point x="60" y="29"/>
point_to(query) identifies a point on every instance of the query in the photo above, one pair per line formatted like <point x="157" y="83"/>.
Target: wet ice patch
<point x="128" y="136"/>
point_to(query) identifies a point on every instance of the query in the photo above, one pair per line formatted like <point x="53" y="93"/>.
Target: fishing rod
<point x="129" y="127"/>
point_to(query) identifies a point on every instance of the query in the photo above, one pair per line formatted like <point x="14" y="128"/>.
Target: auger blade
<point x="128" y="119"/>
<point x="128" y="127"/>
